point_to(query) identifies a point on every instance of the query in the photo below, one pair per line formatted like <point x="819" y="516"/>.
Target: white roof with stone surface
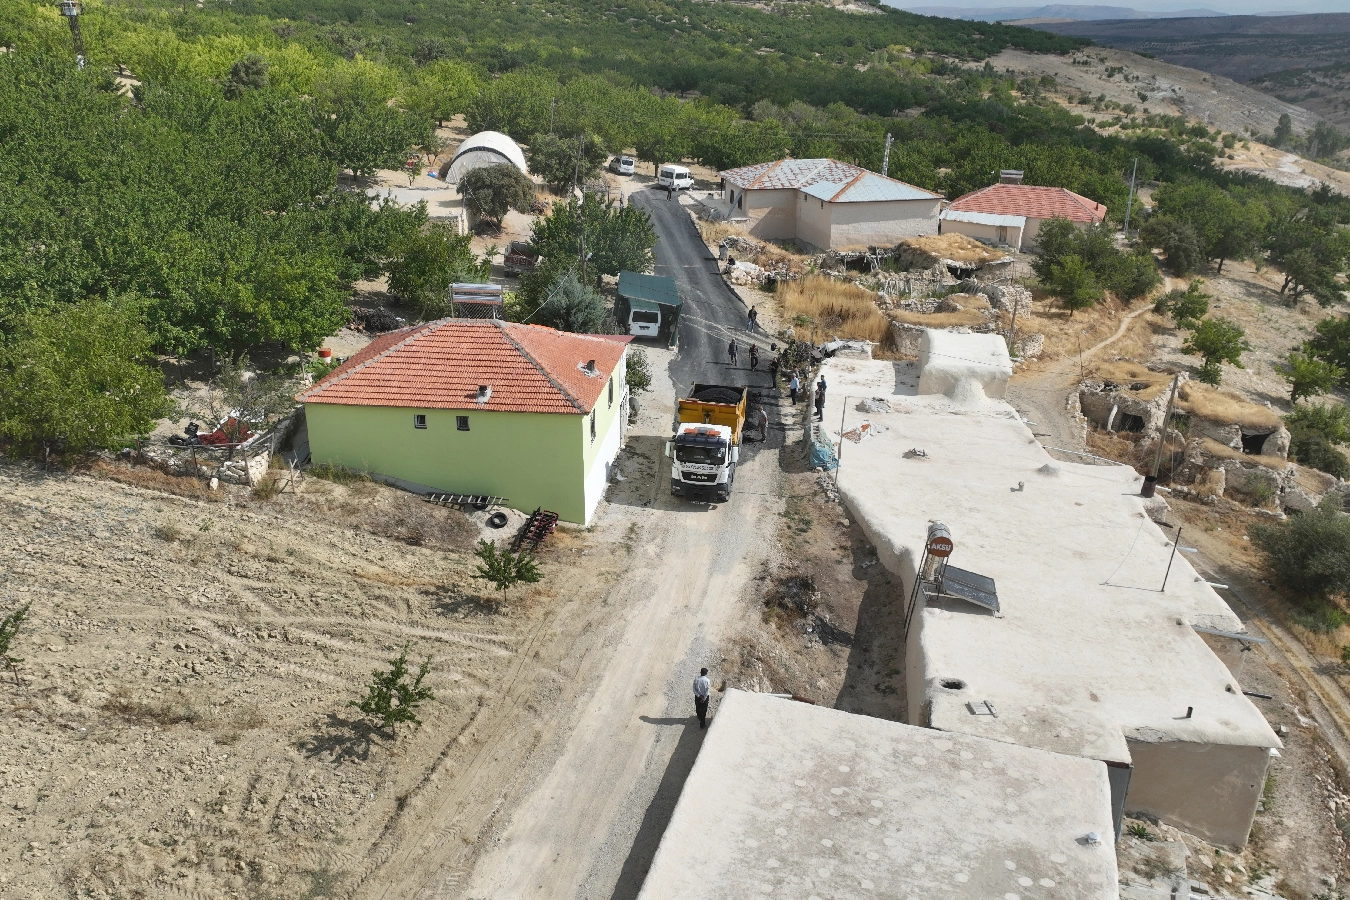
<point x="1087" y="651"/>
<point x="792" y="800"/>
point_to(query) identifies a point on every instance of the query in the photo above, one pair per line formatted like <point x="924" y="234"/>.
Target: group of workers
<point x="795" y="387"/>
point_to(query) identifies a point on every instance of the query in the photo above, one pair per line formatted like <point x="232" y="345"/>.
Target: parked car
<point x="676" y="177"/>
<point x="623" y="165"/>
<point x="520" y="258"/>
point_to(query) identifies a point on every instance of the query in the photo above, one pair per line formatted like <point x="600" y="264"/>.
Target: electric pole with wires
<point x="71" y="10"/>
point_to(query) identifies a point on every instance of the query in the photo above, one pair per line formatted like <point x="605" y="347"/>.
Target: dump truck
<point x="706" y="445"/>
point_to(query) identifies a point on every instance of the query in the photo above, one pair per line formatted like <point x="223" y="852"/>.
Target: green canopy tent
<point x="648" y="306"/>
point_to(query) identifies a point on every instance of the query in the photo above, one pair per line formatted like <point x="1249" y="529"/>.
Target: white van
<point x="677" y="177"/>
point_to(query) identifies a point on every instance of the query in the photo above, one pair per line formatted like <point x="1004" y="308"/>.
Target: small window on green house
<point x="461" y="423"/>
<point x="592" y="425"/>
<point x="419" y="420"/>
<point x="611" y="390"/>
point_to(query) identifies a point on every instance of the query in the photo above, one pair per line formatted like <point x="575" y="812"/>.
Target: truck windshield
<point x="646" y="318"/>
<point x="708" y="456"/>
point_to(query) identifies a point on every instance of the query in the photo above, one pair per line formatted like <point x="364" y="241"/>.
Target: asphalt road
<point x="713" y="314"/>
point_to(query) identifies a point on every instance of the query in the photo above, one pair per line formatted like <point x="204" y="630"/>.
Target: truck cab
<point x="703" y="462"/>
<point x="706" y="445"/>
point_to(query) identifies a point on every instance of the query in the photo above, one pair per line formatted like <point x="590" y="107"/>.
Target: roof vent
<point x="589" y="368"/>
<point x="1010" y="176"/>
<point x="484" y="394"/>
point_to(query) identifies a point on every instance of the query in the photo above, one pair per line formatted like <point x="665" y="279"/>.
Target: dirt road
<point x="625" y="739"/>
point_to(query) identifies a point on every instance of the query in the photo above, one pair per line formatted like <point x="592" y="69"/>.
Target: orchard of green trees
<point x="216" y="203"/>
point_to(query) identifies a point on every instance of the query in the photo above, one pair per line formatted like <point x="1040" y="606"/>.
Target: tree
<point x="247" y="74"/>
<point x="555" y="159"/>
<point x="427" y="263"/>
<point x="362" y="131"/>
<point x="1177" y="240"/>
<point x="1185" y="307"/>
<point x="81" y="380"/>
<point x="1216" y="340"/>
<point x="1074" y="285"/>
<point x="490" y="192"/>
<point x="1314" y="433"/>
<point x="617" y="239"/>
<point x="394" y="696"/>
<point x="1284" y="130"/>
<point x="1307" y="375"/>
<point x="504" y="569"/>
<point x="1311" y="251"/>
<point x="637" y="370"/>
<point x="1331" y="342"/>
<point x="9" y="629"/>
<point x="1226" y="227"/>
<point x="253" y="399"/>
<point x="1309" y="553"/>
<point x="572" y="306"/>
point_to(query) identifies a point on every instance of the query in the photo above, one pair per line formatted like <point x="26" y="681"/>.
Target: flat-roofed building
<point x="1080" y="651"/>
<point x="792" y="800"/>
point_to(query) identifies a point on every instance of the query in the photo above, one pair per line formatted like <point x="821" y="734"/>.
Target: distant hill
<point x="1239" y="47"/>
<point x="1053" y="14"/>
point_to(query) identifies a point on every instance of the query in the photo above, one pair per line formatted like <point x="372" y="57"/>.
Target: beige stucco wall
<point x="986" y="233"/>
<point x="859" y="225"/>
<point x="1210" y="790"/>
<point x="813" y="222"/>
<point x="772" y="214"/>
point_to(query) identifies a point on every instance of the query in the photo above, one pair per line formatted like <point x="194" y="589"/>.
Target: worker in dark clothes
<point x="702" y="693"/>
<point x="754" y="357"/>
<point x="733" y="350"/>
<point x="773" y="370"/>
<point x="820" y="402"/>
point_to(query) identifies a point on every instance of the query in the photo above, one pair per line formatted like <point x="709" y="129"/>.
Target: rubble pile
<point x="375" y="320"/>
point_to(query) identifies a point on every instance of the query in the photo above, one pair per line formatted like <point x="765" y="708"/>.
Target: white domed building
<point x="486" y="148"/>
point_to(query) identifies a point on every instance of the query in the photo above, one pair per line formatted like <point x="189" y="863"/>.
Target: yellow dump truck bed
<point x="715" y="404"/>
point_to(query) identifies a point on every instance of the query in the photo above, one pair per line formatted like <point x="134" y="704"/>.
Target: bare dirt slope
<point x="1175" y="90"/>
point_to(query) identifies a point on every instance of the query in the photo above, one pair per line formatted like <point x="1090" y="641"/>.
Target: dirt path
<point x="1041" y="397"/>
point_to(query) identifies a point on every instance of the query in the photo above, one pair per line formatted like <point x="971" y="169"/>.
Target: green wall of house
<point x="532" y="459"/>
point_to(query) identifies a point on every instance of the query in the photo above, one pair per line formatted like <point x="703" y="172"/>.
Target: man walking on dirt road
<point x="702" y="690"/>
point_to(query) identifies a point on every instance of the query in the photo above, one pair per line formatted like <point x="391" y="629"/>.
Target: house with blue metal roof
<point x="824" y="204"/>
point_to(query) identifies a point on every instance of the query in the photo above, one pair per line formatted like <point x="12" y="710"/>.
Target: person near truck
<point x="733" y="350"/>
<point x="773" y="370"/>
<point x="820" y="402"/>
<point x="754" y="357"/>
<point x="702" y="693"/>
<point x="794" y="386"/>
<point x="763" y="425"/>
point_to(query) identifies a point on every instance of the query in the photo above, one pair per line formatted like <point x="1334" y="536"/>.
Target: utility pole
<point x="1129" y="204"/>
<point x="576" y="171"/>
<point x="1151" y="482"/>
<point x="886" y="155"/>
<point x="1012" y="329"/>
<point x="71" y="10"/>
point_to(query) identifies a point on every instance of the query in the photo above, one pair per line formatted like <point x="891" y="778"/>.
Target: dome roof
<point x="486" y="148"/>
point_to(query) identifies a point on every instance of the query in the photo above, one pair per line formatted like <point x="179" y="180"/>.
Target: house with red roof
<point x="479" y="406"/>
<point x="1010" y="213"/>
<point x="824" y="204"/>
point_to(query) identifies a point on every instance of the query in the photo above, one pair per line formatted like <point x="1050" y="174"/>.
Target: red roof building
<point x="481" y="407"/>
<point x="1012" y="214"/>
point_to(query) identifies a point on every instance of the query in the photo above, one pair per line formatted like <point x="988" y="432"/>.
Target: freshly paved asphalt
<point x="713" y="314"/>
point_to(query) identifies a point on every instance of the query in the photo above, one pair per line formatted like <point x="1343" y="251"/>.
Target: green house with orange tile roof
<point x="473" y="406"/>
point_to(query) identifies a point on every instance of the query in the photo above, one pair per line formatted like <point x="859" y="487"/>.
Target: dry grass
<point x="838" y="308"/>
<point x="713" y="233"/>
<point x="1123" y="371"/>
<point x="956" y="247"/>
<point x="154" y="480"/>
<point x="1214" y="448"/>
<point x="1224" y="407"/>
<point x="940" y="319"/>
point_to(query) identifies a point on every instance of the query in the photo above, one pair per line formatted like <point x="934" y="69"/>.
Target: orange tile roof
<point x="439" y="365"/>
<point x="1031" y="201"/>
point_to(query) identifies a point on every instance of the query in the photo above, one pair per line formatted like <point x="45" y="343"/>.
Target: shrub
<point x="1330" y="420"/>
<point x="1307" y="375"/>
<point x="1315" y="450"/>
<point x="1185" y="307"/>
<point x="394" y="696"/>
<point x="1309" y="553"/>
<point x="337" y="474"/>
<point x="504" y="569"/>
<point x="1216" y="341"/>
<point x="572" y="306"/>
<point x="1178" y="242"/>
<point x="638" y="371"/>
<point x="9" y="629"/>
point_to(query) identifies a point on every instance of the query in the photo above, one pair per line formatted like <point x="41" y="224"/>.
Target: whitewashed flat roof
<point x="1087" y="651"/>
<point x="792" y="800"/>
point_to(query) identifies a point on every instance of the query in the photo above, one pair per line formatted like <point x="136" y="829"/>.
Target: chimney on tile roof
<point x="484" y="394"/>
<point x="1010" y="176"/>
<point x="590" y="367"/>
